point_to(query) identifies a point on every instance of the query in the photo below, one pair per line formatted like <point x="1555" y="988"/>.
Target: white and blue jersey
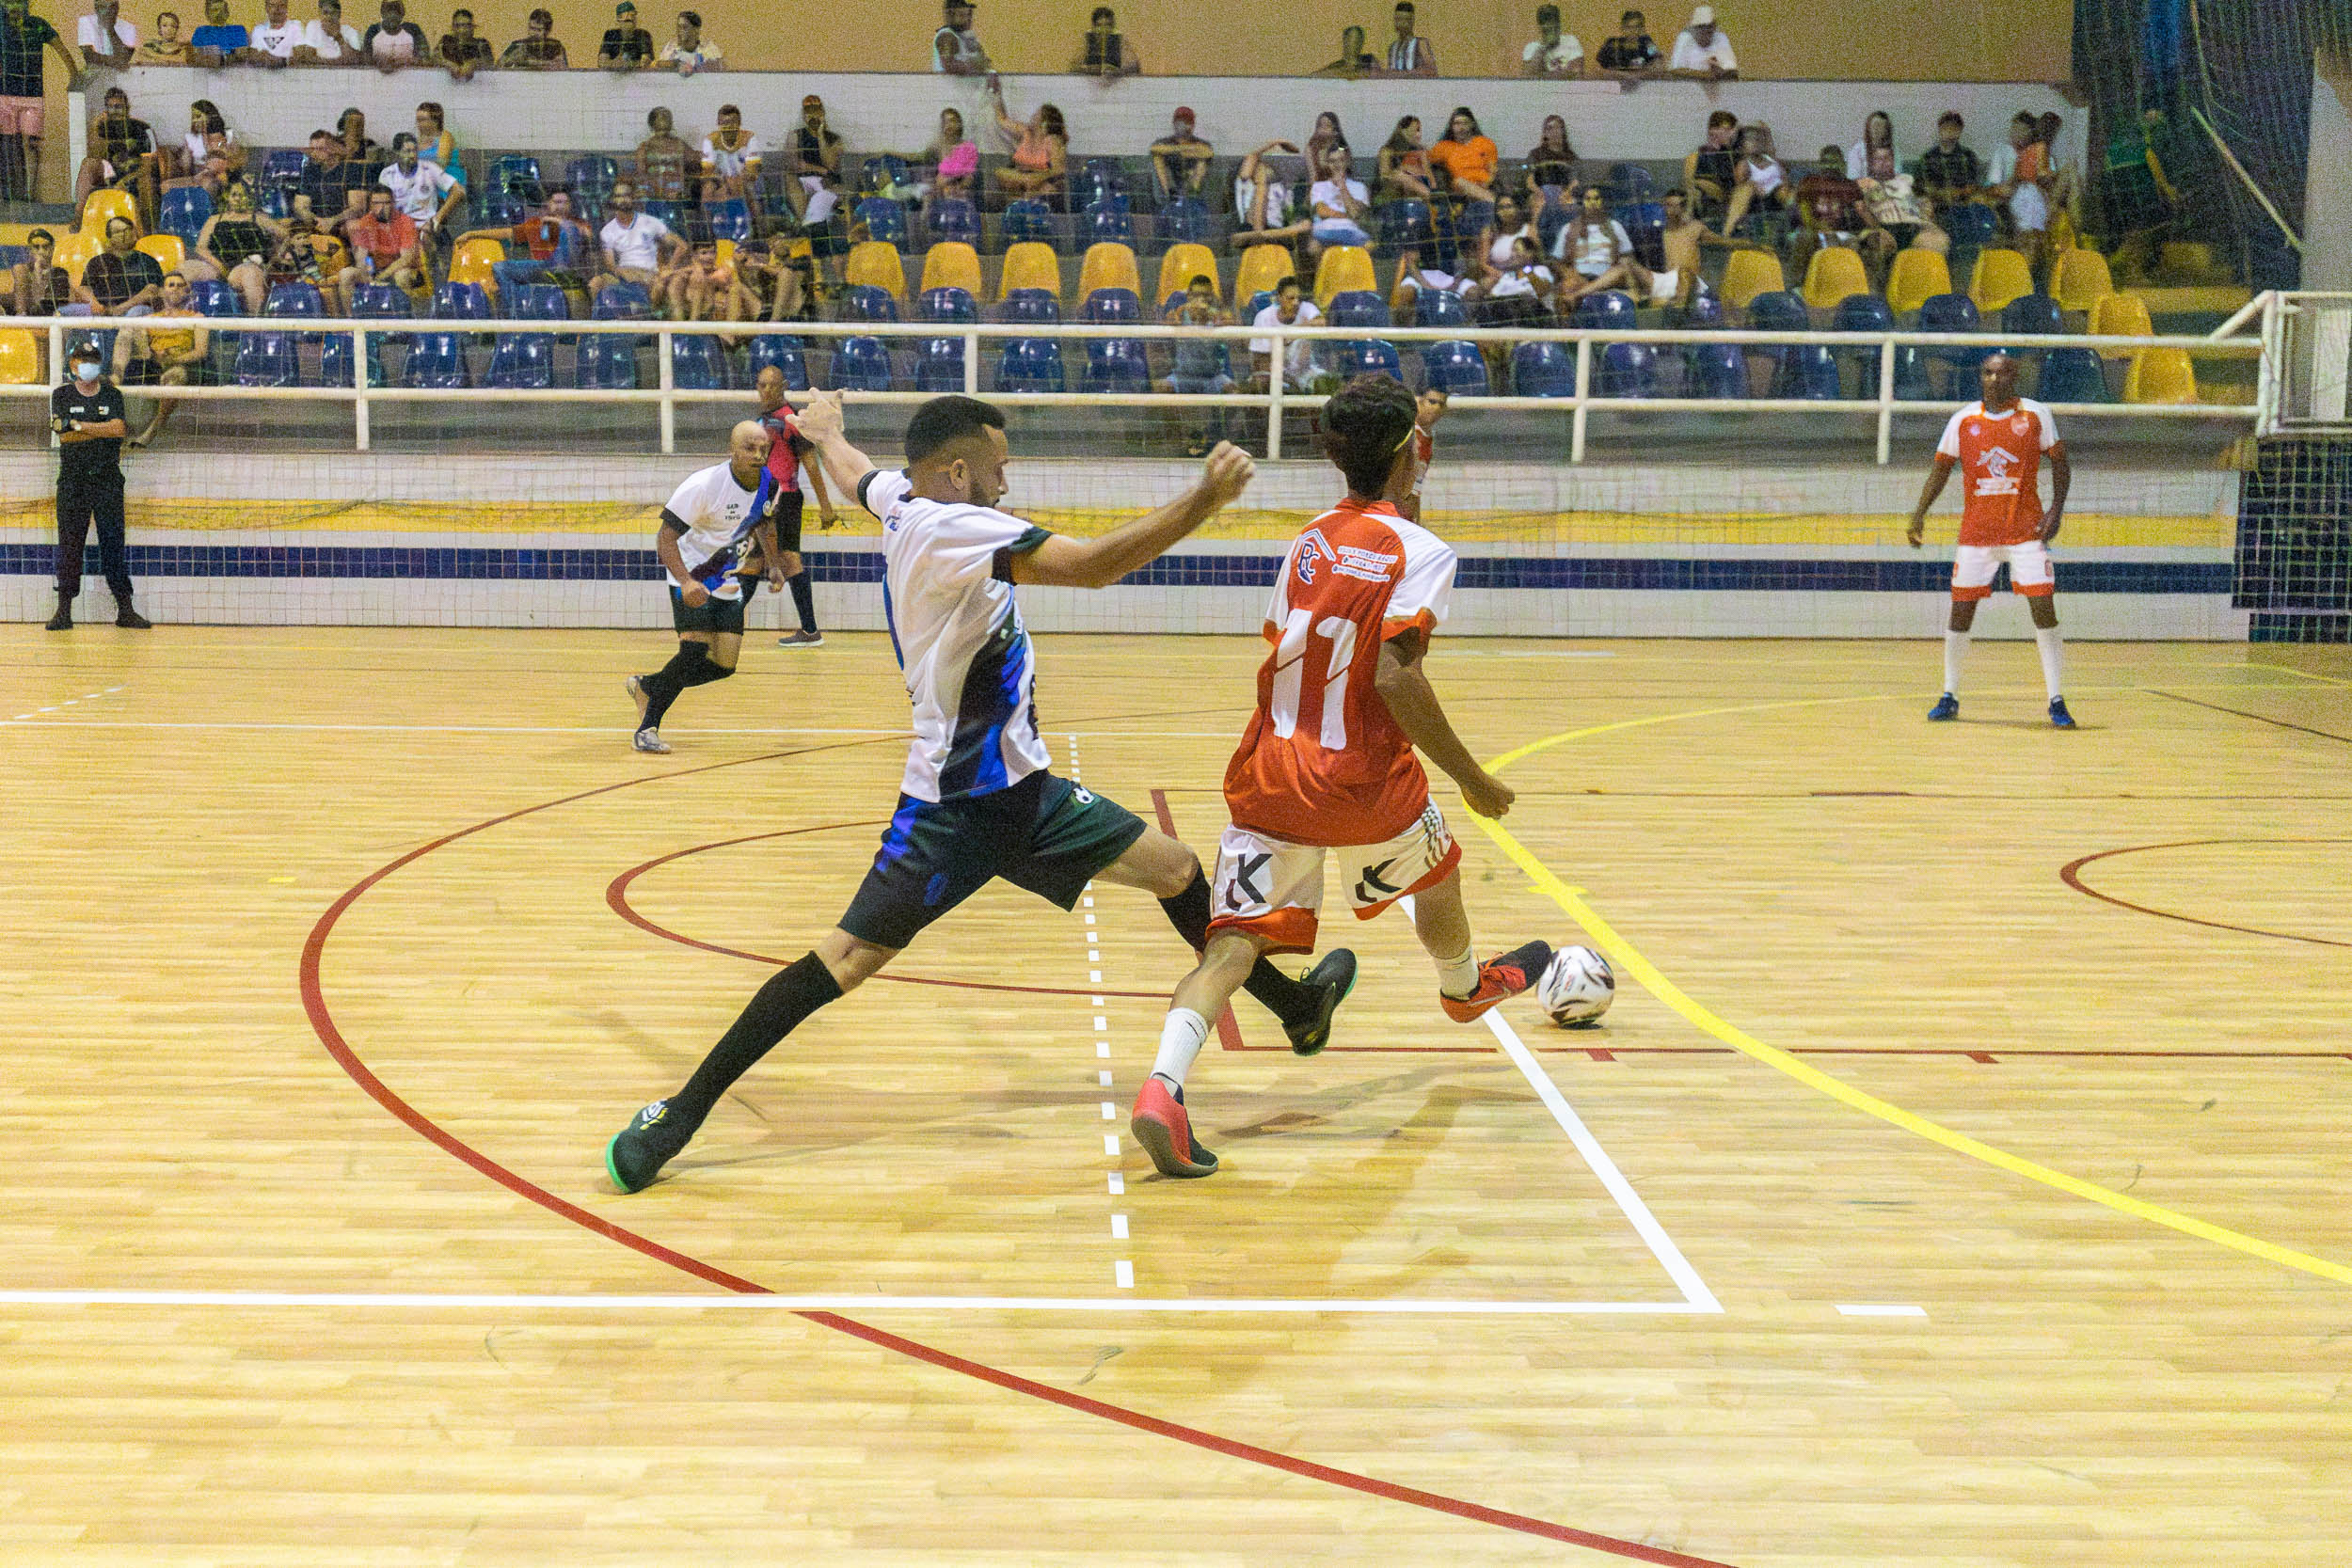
<point x="719" y="516"/>
<point x="970" y="669"/>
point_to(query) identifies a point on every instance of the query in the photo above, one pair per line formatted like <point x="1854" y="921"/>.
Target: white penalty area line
<point x="399" y="1301"/>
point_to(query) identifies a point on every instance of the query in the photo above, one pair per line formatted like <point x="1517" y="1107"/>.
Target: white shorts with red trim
<point x="1274" y="890"/>
<point x="2030" y="570"/>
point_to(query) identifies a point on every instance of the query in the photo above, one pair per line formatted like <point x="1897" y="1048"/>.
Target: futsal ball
<point x="1577" y="988"/>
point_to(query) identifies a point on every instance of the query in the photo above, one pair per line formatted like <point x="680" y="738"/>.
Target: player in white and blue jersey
<point x="705" y="534"/>
<point x="978" y="800"/>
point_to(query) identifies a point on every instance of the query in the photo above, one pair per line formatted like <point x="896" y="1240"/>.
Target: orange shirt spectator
<point x="1468" y="156"/>
<point x="384" y="235"/>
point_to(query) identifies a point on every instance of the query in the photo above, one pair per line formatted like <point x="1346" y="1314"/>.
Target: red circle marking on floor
<point x="2071" y="874"/>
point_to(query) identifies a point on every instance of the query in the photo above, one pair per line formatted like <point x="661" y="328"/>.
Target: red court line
<point x="322" y="1023"/>
<point x="1227" y="1031"/>
<point x="2071" y="875"/>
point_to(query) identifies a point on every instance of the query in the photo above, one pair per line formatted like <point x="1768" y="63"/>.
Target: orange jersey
<point x="1322" y="761"/>
<point x="1999" y="457"/>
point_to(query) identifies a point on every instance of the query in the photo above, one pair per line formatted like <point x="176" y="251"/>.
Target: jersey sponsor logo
<point x="1997" y="480"/>
<point x="1312" y="551"/>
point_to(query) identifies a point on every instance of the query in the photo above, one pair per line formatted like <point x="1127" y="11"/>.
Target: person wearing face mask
<point x="90" y="421"/>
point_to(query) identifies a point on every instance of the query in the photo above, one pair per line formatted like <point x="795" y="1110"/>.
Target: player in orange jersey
<point x="1998" y="444"/>
<point x="1326" y="763"/>
<point x="1427" y="410"/>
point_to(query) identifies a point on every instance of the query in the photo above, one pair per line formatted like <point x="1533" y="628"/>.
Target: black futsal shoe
<point x="1331" y="979"/>
<point x="638" y="1151"/>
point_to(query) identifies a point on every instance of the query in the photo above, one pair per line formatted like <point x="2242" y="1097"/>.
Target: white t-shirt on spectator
<point x="1514" y="285"/>
<point x="197" y="147"/>
<point x="2001" y="168"/>
<point x="1278" y="201"/>
<point x="394" y="44"/>
<point x="1558" y="56"/>
<point x="328" y="46"/>
<point x="418" y="194"/>
<point x="1326" y="194"/>
<point x="86" y="33"/>
<point x="1592" y="256"/>
<point x="1433" y="280"/>
<point x="638" y="246"/>
<point x="1299" y="362"/>
<point x="280" y="41"/>
<point x="729" y="166"/>
<point x="701" y="58"/>
<point x="1688" y="56"/>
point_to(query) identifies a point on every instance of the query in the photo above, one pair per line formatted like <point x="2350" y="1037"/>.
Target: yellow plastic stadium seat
<point x="76" y="249"/>
<point x="725" y="252"/>
<point x="1179" y="267"/>
<point x="471" y="264"/>
<point x="1748" y="273"/>
<point x="2083" y="280"/>
<point x="104" y="207"/>
<point x="952" y="264"/>
<point x="1108" y="266"/>
<point x="1261" y="267"/>
<point x="169" y="250"/>
<point x="1030" y="265"/>
<point x="17" y="233"/>
<point x="1344" y="268"/>
<point x="1918" y="275"/>
<point x="2121" y="315"/>
<point x="875" y="264"/>
<point x="1832" y="275"/>
<point x="20" y="360"/>
<point x="2160" y="376"/>
<point x="2000" y="276"/>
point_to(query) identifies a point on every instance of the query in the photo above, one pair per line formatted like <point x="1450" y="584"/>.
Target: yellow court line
<point x="1630" y="960"/>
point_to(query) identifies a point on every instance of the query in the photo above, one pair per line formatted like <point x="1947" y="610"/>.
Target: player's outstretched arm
<point x="1062" y="562"/>
<point x="1940" y="471"/>
<point x="1413" y="704"/>
<point x="820" y="422"/>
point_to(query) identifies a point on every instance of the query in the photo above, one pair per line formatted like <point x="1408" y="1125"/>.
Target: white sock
<point x="1955" y="649"/>
<point x="1457" y="976"/>
<point x="1180" y="1042"/>
<point x="2053" y="659"/>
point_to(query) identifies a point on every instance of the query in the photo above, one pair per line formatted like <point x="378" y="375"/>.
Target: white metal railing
<point x="2305" y="364"/>
<point x="1576" y="406"/>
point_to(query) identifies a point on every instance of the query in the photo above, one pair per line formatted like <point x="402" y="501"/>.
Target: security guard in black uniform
<point x="89" y="419"/>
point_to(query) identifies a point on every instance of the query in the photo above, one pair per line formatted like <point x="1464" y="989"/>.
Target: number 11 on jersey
<point x="1338" y="634"/>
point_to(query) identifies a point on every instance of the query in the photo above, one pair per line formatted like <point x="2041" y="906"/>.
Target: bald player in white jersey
<point x="978" y="801"/>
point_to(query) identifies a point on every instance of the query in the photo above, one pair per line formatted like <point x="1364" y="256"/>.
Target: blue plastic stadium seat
<point x="697" y="364"/>
<point x="1367" y="356"/>
<point x="1109" y="307"/>
<point x="1625" y="371"/>
<point x="1646" y="225"/>
<point x="1970" y="224"/>
<point x="607" y="362"/>
<point x="1807" y="371"/>
<point x="1358" y="308"/>
<point x="1108" y="221"/>
<point x="436" y="360"/>
<point x="952" y="218"/>
<point x="2037" y="315"/>
<point x="1471" y="219"/>
<point x="498" y="210"/>
<point x="1628" y="182"/>
<point x="864" y="302"/>
<point x="1455" y="367"/>
<point x="1864" y="314"/>
<point x="377" y="302"/>
<point x="861" y="365"/>
<point x="885" y="219"/>
<point x="2072" y="375"/>
<point x="1715" y="371"/>
<point x="785" y="355"/>
<point x="295" y="299"/>
<point x="1030" y="365"/>
<point x="522" y="359"/>
<point x="537" y="302"/>
<point x="666" y="211"/>
<point x="615" y="302"/>
<point x="1551" y="219"/>
<point x="1407" y="222"/>
<point x="1953" y="314"/>
<point x="1184" y="221"/>
<point x="267" y="359"/>
<point x="213" y="297"/>
<point x="462" y="302"/>
<point x="1117" y="365"/>
<point x="1543" y="369"/>
<point x="1607" y="308"/>
<point x="593" y="175"/>
<point x="884" y="169"/>
<point x="184" y="210"/>
<point x="939" y="364"/>
<point x="1439" y="307"/>
<point x="1030" y="305"/>
<point x="518" y="174"/>
<point x="1097" y="180"/>
<point x="949" y="304"/>
<point x="1028" y="218"/>
<point x="730" y="219"/>
<point x="284" y="166"/>
<point x="1783" y="312"/>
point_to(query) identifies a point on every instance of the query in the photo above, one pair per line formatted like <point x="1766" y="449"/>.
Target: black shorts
<point x="786" y="518"/>
<point x="715" y="613"/>
<point x="1044" y="833"/>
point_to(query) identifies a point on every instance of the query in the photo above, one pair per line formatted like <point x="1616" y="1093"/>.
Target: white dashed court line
<point x="70" y="701"/>
<point x="1872" y="1310"/>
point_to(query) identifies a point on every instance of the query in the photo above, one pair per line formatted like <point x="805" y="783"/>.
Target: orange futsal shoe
<point x="1161" y="1125"/>
<point x="1507" y="976"/>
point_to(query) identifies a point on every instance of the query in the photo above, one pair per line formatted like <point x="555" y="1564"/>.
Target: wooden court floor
<point x="333" y="957"/>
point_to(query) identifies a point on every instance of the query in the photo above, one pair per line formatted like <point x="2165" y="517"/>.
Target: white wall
<point x="2327" y="225"/>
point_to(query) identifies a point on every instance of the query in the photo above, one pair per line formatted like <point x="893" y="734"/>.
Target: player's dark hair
<point x="946" y="419"/>
<point x="1364" y="423"/>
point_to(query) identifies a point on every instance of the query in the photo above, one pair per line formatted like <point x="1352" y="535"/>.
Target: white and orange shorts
<point x="1274" y="890"/>
<point x="2030" y="570"/>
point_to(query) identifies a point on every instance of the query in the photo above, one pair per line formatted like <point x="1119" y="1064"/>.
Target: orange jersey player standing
<point x="1328" y="764"/>
<point x="1998" y="444"/>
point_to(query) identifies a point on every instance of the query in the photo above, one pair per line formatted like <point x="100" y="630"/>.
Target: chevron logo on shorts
<point x="1242" y="891"/>
<point x="1373" y="887"/>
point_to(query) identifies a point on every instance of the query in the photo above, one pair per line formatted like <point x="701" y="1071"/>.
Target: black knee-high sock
<point x="789" y="996"/>
<point x="803" y="600"/>
<point x="691" y="665"/>
<point x="1281" y="995"/>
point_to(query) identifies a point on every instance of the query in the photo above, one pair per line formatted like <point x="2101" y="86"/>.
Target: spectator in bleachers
<point x="156" y="355"/>
<point x="954" y="158"/>
<point x="1520" y="290"/>
<point x="1104" y="51"/>
<point x="387" y="246"/>
<point x="320" y="258"/>
<point x="1629" y="52"/>
<point x="1415" y="278"/>
<point x="275" y="39"/>
<point x="1828" y="206"/>
<point x="1403" y="169"/>
<point x="122" y="156"/>
<point x="166" y="47"/>
<point x="1761" y="177"/>
<point x="1512" y="221"/>
<point x="119" y="280"/>
<point x="212" y="176"/>
<point x="1467" y="158"/>
<point x="666" y="166"/>
<point x="393" y="41"/>
<point x="463" y="51"/>
<point x="1878" y="131"/>
<point x="1040" y="152"/>
<point x="1326" y="136"/>
<point x="768" y="285"/>
<point x="239" y="244"/>
<point x="332" y="190"/>
<point x="1714" y="168"/>
<point x="328" y="40"/>
<point x="539" y="49"/>
<point x="37" y="286"/>
<point x="107" y="40"/>
<point x="684" y="290"/>
<point x="435" y="142"/>
<point x="1551" y="162"/>
<point x="1703" y="50"/>
<point x="626" y="46"/>
<point x="1291" y="307"/>
<point x="1409" y="54"/>
<point x="1598" y="253"/>
<point x="1893" y="215"/>
<point x="1179" y="160"/>
<point x="731" y="159"/>
<point x="1554" y="56"/>
<point x="208" y="132"/>
<point x="1950" y="172"/>
<point x="634" y="245"/>
<point x="2014" y="182"/>
<point x="219" y="42"/>
<point x="814" y="187"/>
<point x="690" y="52"/>
<point x="2062" y="181"/>
<point x="1339" y="206"/>
<point x="351" y="129"/>
<point x="1682" y="239"/>
<point x="1197" y="367"/>
<point x="1265" y="209"/>
<point x="427" y="192"/>
<point x="1353" y="61"/>
<point x="956" y="49"/>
